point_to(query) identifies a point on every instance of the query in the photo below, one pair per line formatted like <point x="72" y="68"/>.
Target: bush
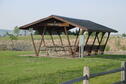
<point x="123" y="35"/>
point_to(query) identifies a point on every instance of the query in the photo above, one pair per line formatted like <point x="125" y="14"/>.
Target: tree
<point x="36" y="32"/>
<point x="12" y="38"/>
<point x="16" y="31"/>
<point x="123" y="35"/>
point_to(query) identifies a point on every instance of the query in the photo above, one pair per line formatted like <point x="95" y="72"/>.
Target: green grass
<point x="15" y="69"/>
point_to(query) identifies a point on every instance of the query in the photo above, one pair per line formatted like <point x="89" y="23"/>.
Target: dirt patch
<point x="33" y="55"/>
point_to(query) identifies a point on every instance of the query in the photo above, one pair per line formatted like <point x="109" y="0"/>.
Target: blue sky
<point x="111" y="13"/>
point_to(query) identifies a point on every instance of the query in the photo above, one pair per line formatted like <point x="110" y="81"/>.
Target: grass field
<point x="115" y="43"/>
<point x="38" y="37"/>
<point x="15" y="69"/>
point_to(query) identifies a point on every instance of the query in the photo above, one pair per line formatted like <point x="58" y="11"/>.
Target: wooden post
<point x="52" y="40"/>
<point x="39" y="46"/>
<point x="68" y="41"/>
<point x="61" y="41"/>
<point x="86" y="72"/>
<point x="99" y="42"/>
<point x="103" y="33"/>
<point x="94" y="42"/>
<point x="76" y="38"/>
<point x="41" y="41"/>
<point x="76" y="44"/>
<point x="105" y="43"/>
<point x="123" y="73"/>
<point x="89" y="34"/>
<point x="34" y="45"/>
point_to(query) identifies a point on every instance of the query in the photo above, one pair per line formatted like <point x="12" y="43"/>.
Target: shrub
<point x="123" y="35"/>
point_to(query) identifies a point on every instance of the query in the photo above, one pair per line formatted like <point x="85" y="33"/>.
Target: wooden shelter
<point x="58" y="24"/>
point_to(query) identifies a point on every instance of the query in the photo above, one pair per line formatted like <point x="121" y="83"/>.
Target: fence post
<point x="123" y="73"/>
<point x="86" y="72"/>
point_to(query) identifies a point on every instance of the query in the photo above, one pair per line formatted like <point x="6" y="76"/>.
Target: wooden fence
<point x="88" y="76"/>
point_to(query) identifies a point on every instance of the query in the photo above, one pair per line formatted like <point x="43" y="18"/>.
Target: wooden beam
<point x="103" y="33"/>
<point x="99" y="42"/>
<point x="66" y="33"/>
<point x="58" y="24"/>
<point x="75" y="43"/>
<point x="43" y="32"/>
<point x="61" y="40"/>
<point x="89" y="34"/>
<point x="77" y="38"/>
<point x="52" y="40"/>
<point x="43" y="39"/>
<point x="34" y="45"/>
<point x="94" y="42"/>
<point x="39" y="47"/>
<point x="105" y="43"/>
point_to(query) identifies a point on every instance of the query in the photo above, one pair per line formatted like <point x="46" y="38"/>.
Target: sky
<point x="111" y="13"/>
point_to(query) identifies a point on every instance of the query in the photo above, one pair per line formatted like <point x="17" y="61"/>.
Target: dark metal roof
<point x="83" y="24"/>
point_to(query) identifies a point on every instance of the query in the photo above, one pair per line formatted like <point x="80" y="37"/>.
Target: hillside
<point x="3" y="31"/>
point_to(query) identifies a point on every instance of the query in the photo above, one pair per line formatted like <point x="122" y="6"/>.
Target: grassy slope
<point x="16" y="69"/>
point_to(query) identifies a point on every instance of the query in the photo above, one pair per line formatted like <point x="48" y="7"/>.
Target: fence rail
<point x="88" y="76"/>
